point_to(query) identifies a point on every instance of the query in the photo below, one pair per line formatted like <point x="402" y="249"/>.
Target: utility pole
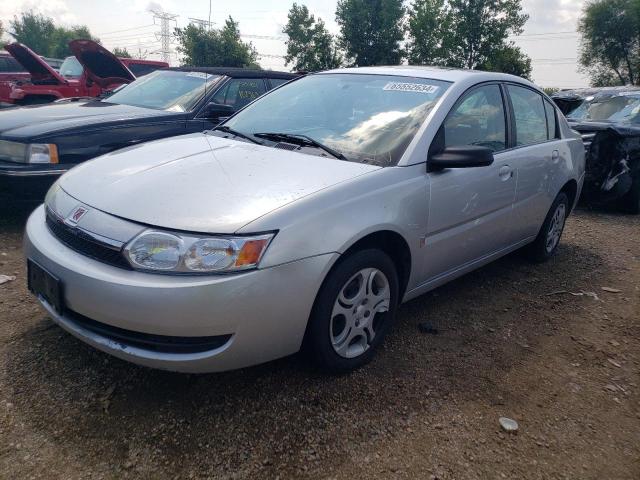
<point x="165" y="35"/>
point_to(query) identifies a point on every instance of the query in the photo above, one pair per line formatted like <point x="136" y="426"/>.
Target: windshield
<point x="367" y="118"/>
<point x="71" y="68"/>
<point x="165" y="90"/>
<point x="622" y="107"/>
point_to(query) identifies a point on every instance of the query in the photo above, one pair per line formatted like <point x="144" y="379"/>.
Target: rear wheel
<point x="546" y="243"/>
<point x="353" y="312"/>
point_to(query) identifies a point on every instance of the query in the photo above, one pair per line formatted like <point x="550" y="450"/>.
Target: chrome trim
<point x="86" y="234"/>
<point x="31" y="173"/>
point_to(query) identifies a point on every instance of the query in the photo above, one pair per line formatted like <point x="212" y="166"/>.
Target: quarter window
<point x="530" y="117"/>
<point x="552" y="129"/>
<point x="478" y="119"/>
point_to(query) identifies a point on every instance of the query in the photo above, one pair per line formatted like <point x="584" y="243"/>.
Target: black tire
<point x="318" y="343"/>
<point x="631" y="201"/>
<point x="538" y="251"/>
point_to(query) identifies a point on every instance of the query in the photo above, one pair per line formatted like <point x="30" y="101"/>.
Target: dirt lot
<point x="509" y="343"/>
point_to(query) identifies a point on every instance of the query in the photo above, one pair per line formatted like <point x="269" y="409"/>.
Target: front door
<point x="470" y="208"/>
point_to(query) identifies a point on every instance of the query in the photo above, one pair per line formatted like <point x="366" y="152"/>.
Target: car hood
<point x="31" y="122"/>
<point x="202" y="183"/>
<point x="102" y="66"/>
<point x="37" y="67"/>
<point x="621" y="128"/>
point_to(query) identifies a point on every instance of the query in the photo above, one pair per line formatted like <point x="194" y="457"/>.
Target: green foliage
<point x="41" y="35"/>
<point x="59" y="47"/>
<point x="34" y="30"/>
<point x="430" y="26"/>
<point x="508" y="59"/>
<point x="310" y="47"/>
<point x="481" y="28"/>
<point x="121" y="52"/>
<point x="610" y="31"/>
<point x="202" y="47"/>
<point x="371" y="31"/>
<point x="467" y="34"/>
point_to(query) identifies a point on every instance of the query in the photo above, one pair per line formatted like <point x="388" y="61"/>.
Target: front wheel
<point x="353" y="312"/>
<point x="548" y="239"/>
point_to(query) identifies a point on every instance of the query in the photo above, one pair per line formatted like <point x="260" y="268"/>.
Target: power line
<point x="126" y="29"/>
<point x="542" y="34"/>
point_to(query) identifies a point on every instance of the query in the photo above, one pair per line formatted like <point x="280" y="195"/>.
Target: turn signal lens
<point x="251" y="252"/>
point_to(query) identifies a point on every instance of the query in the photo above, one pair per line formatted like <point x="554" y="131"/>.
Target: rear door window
<point x="529" y="114"/>
<point x="478" y="119"/>
<point x="239" y="92"/>
<point x="552" y="123"/>
<point x="276" y="82"/>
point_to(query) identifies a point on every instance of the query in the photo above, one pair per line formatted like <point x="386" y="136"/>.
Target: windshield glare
<point x="166" y="90"/>
<point x="368" y="118"/>
<point x="71" y="68"/>
<point x="617" y="108"/>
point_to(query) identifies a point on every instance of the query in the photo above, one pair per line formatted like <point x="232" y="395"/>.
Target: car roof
<point x="237" y="72"/>
<point x="435" y="73"/>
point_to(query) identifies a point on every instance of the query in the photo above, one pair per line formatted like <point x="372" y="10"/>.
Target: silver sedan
<point x="305" y="219"/>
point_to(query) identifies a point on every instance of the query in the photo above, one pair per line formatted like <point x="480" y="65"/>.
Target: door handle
<point x="555" y="156"/>
<point x="505" y="173"/>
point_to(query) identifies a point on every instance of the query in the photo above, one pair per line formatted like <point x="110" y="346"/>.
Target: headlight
<point x="28" y="153"/>
<point x="42" y="153"/>
<point x="161" y="251"/>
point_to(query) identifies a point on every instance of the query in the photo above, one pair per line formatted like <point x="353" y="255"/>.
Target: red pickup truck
<point x="92" y="71"/>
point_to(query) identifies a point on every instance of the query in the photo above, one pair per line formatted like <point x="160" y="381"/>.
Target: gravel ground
<point x="511" y="341"/>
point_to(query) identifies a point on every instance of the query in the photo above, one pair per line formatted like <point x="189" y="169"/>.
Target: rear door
<point x="537" y="153"/>
<point x="470" y="208"/>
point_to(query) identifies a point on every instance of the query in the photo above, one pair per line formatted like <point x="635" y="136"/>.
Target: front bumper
<point x="265" y="311"/>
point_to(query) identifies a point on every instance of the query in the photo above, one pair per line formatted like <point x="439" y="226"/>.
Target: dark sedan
<point x="37" y="144"/>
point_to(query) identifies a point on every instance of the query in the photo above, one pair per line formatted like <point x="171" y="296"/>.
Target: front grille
<point x="82" y="243"/>
<point x="148" y="341"/>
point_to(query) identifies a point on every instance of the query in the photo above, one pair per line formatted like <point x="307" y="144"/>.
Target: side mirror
<point x="218" y="110"/>
<point x="464" y="156"/>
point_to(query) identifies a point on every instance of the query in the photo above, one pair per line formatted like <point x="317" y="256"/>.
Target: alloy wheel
<point x="555" y="227"/>
<point x="358" y="310"/>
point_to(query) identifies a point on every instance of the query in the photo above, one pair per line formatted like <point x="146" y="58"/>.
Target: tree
<point x="121" y="52"/>
<point x="34" y="30"/>
<point x="310" y="47"/>
<point x="508" y="59"/>
<point x="371" y="31"/>
<point x="480" y="29"/>
<point x="1" y="34"/>
<point x="59" y="47"/>
<point x="429" y="29"/>
<point x="41" y="35"/>
<point x="215" y="47"/>
<point x="610" y="31"/>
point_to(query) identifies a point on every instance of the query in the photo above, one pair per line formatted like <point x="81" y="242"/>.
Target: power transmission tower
<point x="165" y="36"/>
<point x="202" y="23"/>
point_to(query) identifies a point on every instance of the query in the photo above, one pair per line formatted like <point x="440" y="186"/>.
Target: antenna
<point x="165" y="36"/>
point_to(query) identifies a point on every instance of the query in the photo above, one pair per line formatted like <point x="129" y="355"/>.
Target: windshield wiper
<point x="302" y="140"/>
<point x="225" y="129"/>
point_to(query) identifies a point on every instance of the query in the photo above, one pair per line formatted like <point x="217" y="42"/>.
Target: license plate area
<point x="45" y="285"/>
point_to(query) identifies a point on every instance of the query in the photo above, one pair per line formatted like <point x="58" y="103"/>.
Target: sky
<point x="549" y="38"/>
